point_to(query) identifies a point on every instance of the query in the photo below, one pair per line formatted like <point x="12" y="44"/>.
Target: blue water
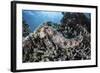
<point x="35" y="18"/>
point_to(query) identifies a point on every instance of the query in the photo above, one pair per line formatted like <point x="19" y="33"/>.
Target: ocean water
<point x="36" y="18"/>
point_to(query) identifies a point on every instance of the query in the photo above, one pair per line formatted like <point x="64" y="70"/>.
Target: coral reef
<point x="37" y="47"/>
<point x="69" y="40"/>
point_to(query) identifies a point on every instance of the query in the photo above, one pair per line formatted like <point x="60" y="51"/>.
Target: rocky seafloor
<point x="37" y="49"/>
